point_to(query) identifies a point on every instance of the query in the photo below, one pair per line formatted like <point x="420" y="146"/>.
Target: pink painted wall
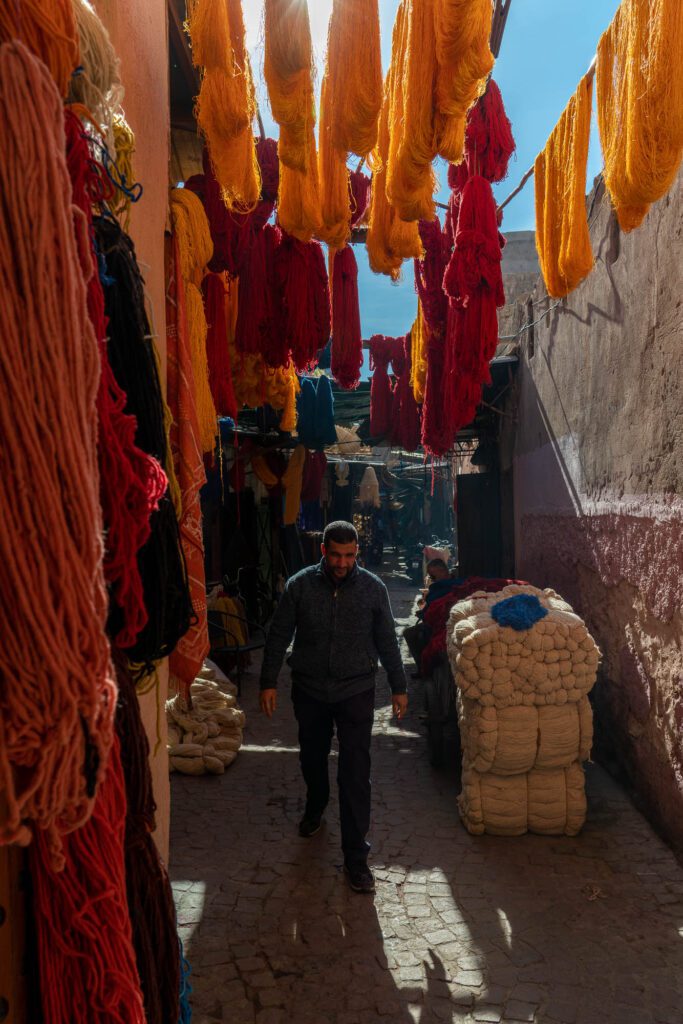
<point x="138" y="30"/>
<point x="598" y="481"/>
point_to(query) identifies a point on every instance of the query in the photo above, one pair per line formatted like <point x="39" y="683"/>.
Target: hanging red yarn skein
<point x="405" y="419"/>
<point x="217" y="351"/>
<point x="301" y="278"/>
<point x="347" y="343"/>
<point x="489" y="142"/>
<point x="429" y="273"/>
<point x="381" y="349"/>
<point x="266" y="153"/>
<point x="359" y="194"/>
<point x="131" y="482"/>
<point x="474" y="283"/>
<point x="258" y="330"/>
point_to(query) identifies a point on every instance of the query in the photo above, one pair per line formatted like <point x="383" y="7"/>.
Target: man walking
<point x="341" y="621"/>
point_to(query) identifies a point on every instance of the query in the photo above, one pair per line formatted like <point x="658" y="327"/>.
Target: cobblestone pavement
<point x="469" y="929"/>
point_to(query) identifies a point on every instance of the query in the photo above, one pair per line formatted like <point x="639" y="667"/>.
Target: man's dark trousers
<point x="353" y="719"/>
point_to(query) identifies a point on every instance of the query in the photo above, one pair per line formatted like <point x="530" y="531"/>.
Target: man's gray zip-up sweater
<point x="340" y="633"/>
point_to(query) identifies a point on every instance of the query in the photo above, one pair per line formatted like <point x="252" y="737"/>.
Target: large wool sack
<point x="551" y="802"/>
<point x="511" y="740"/>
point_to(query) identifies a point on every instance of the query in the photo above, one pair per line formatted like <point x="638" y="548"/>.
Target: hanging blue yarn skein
<point x="185" y="1015"/>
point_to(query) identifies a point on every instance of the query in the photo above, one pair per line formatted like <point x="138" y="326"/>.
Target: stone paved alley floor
<point x="558" y="930"/>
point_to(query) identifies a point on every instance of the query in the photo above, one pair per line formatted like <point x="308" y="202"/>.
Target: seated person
<point x="417" y="636"/>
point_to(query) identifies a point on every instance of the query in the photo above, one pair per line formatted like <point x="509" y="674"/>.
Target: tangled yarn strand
<point x="639" y="96"/>
<point x="57" y="696"/>
<point x="562" y="238"/>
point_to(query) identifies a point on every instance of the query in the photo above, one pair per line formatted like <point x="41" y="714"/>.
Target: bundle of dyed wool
<point x="217" y="350"/>
<point x="347" y="342"/>
<point x="381" y="350"/>
<point x="97" y="85"/>
<point x="131" y="482"/>
<point x="269" y="163"/>
<point x="301" y="278"/>
<point x="562" y="239"/>
<point x="429" y="271"/>
<point x="48" y="29"/>
<point x="85" y="949"/>
<point x="259" y="328"/>
<point x="489" y="142"/>
<point x="419" y="338"/>
<point x="406" y="427"/>
<point x="438" y="425"/>
<point x="390" y="240"/>
<point x="315" y="406"/>
<point x="411" y="182"/>
<point x="287" y="68"/>
<point x="474" y="283"/>
<point x="206" y="737"/>
<point x="184" y="437"/>
<point x="58" y="693"/>
<point x="134" y="363"/>
<point x="150" y="898"/>
<point x="335" y="199"/>
<point x="226" y="104"/>
<point x="464" y="60"/>
<point x="195" y="248"/>
<point x="359" y="195"/>
<point x="523" y="663"/>
<point x="640" y="105"/>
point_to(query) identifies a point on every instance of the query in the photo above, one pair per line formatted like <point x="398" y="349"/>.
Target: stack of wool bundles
<point x="523" y="663"/>
<point x="206" y="737"/>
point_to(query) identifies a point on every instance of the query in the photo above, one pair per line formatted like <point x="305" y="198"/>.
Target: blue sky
<point x="547" y="47"/>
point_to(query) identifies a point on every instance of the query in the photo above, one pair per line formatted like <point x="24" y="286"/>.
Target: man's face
<point x="437" y="572"/>
<point x="340" y="558"/>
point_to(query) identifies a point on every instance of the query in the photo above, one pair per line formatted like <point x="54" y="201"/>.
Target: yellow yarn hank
<point x="207" y="419"/>
<point x="389" y="239"/>
<point x="124" y="147"/>
<point x="191" y="227"/>
<point x="292" y="480"/>
<point x="354" y="67"/>
<point x="462" y="34"/>
<point x="335" y="202"/>
<point x="226" y="105"/>
<point x="289" y="413"/>
<point x="418" y="351"/>
<point x="411" y="182"/>
<point x="562" y="237"/>
<point x="639" y="93"/>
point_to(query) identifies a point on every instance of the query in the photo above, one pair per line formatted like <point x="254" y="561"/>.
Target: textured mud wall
<point x="598" y="484"/>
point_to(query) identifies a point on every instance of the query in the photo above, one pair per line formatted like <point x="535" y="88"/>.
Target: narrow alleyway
<point x="535" y="929"/>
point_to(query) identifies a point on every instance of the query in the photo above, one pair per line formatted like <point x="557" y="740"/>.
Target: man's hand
<point x="400" y="704"/>
<point x="268" y="701"/>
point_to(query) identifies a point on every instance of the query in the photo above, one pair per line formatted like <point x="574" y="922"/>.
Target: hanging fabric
<point x="562" y="237"/>
<point x="639" y="92"/>
<point x="291" y="481"/>
<point x="347" y="343"/>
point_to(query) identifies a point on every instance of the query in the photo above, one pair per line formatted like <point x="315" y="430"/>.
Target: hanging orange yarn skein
<point x="226" y="105"/>
<point x="462" y="31"/>
<point x="335" y="201"/>
<point x="562" y="238"/>
<point x="48" y="29"/>
<point x="419" y="344"/>
<point x="354" y="65"/>
<point x="288" y="70"/>
<point x="639" y="93"/>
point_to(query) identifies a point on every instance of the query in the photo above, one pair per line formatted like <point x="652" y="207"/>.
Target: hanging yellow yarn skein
<point x="287" y="68"/>
<point x="462" y="32"/>
<point x="390" y="240"/>
<point x="335" y="203"/>
<point x="411" y="182"/>
<point x="639" y="93"/>
<point x="195" y="249"/>
<point x="226" y="105"/>
<point x="418" y="353"/>
<point x="562" y="237"/>
<point x="354" y="65"/>
<point x="124" y="146"/>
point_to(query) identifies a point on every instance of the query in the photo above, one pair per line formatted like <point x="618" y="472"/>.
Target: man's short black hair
<point x="340" y="532"/>
<point x="436" y="561"/>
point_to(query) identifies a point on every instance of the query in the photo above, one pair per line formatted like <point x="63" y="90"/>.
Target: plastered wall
<point x="598" y="486"/>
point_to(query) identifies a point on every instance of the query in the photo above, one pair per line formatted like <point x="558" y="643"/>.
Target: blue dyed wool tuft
<point x="519" y="612"/>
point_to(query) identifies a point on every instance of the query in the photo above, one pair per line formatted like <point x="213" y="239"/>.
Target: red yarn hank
<point x="474" y="282"/>
<point x="217" y="350"/>
<point x="406" y="424"/>
<point x="347" y="343"/>
<point x="381" y="349"/>
<point x="438" y="431"/>
<point x="269" y="163"/>
<point x="301" y="278"/>
<point x="359" y="195"/>
<point x="429" y="273"/>
<point x="131" y="482"/>
<point x="489" y="142"/>
<point x="259" y="327"/>
<point x="85" y="950"/>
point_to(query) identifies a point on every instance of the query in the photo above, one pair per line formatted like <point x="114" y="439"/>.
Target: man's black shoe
<point x="308" y="826"/>
<point x="360" y="878"/>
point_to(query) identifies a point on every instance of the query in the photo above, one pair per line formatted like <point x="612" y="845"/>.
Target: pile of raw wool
<point x="523" y="663"/>
<point x="207" y="737"/>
